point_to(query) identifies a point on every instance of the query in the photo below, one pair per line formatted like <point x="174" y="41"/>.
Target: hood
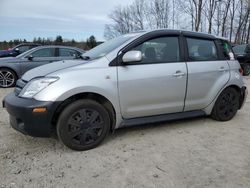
<point x="8" y="60"/>
<point x="50" y="68"/>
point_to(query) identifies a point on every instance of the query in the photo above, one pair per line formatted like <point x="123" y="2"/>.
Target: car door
<point x="157" y="84"/>
<point x="207" y="73"/>
<point x="67" y="54"/>
<point x="37" y="58"/>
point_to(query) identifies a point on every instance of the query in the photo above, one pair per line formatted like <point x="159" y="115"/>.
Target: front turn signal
<point x="39" y="110"/>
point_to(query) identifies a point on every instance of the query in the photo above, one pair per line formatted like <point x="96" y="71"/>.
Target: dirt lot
<point x="189" y="153"/>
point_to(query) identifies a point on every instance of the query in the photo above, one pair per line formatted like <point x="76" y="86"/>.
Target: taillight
<point x="241" y="71"/>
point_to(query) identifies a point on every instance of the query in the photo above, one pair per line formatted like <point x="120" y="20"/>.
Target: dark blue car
<point x="17" y="50"/>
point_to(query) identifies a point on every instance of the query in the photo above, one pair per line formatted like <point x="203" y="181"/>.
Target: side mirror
<point x="132" y="56"/>
<point x="30" y="57"/>
<point x="17" y="50"/>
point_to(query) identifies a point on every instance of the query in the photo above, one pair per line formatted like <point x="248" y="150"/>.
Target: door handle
<point x="178" y="74"/>
<point x="221" y="69"/>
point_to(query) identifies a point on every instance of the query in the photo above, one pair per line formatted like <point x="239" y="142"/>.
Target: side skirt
<point x="161" y="118"/>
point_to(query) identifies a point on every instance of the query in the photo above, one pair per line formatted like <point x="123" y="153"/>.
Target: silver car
<point x="137" y="78"/>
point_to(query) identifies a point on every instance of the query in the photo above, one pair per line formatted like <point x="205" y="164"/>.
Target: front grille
<point x="19" y="86"/>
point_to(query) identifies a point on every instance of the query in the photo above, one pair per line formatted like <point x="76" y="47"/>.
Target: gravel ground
<point x="189" y="153"/>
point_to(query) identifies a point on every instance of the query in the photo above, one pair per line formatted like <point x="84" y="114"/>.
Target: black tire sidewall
<point x="215" y="112"/>
<point x="246" y="69"/>
<point x="71" y="109"/>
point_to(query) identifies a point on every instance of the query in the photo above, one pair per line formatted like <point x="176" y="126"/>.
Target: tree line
<point x="86" y="45"/>
<point x="225" y="18"/>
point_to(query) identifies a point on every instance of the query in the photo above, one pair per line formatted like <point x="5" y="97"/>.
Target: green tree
<point x="59" y="40"/>
<point x="91" y="42"/>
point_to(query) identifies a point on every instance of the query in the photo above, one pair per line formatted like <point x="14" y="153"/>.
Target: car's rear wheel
<point x="8" y="78"/>
<point x="226" y="105"/>
<point x="246" y="69"/>
<point x="83" y="125"/>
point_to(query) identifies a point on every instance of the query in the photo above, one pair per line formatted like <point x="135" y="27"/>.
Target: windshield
<point x="24" y="54"/>
<point x="108" y="46"/>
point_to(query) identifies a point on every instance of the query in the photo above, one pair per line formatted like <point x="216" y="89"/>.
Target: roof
<point x="59" y="46"/>
<point x="186" y="32"/>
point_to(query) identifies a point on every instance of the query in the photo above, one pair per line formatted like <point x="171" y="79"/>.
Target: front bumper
<point x="23" y="119"/>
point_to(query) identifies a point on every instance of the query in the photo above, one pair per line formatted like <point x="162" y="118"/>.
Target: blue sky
<point x="76" y="19"/>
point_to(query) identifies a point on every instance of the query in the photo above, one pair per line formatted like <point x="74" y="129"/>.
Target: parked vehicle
<point x="13" y="68"/>
<point x="134" y="79"/>
<point x="17" y="50"/>
<point x="242" y="53"/>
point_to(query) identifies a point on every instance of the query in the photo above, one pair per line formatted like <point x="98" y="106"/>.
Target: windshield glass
<point x="109" y="46"/>
<point x="24" y="54"/>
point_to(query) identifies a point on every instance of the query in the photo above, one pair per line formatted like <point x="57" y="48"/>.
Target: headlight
<point x="36" y="85"/>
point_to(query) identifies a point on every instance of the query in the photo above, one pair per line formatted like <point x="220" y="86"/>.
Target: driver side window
<point x="159" y="50"/>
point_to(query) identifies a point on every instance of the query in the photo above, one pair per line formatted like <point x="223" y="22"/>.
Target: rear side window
<point x="45" y="52"/>
<point x="201" y="50"/>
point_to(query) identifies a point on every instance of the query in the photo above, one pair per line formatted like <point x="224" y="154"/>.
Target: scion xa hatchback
<point x="137" y="78"/>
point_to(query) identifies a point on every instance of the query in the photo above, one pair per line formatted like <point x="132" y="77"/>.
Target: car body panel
<point x="162" y="92"/>
<point x="50" y="68"/>
<point x="102" y="81"/>
<point x="205" y="79"/>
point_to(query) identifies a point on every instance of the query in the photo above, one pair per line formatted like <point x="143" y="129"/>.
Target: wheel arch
<point x="209" y="108"/>
<point x="87" y="95"/>
<point x="238" y="89"/>
<point x="10" y="68"/>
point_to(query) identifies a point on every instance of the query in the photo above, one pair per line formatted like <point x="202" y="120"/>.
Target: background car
<point x="12" y="68"/>
<point x="17" y="50"/>
<point x="242" y="53"/>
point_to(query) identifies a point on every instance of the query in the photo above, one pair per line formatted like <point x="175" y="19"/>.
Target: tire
<point x="83" y="125"/>
<point x="227" y="105"/>
<point x="246" y="69"/>
<point x="8" y="78"/>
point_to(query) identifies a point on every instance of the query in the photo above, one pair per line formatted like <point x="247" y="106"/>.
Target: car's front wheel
<point x="83" y="125"/>
<point x="226" y="105"/>
<point x="8" y="78"/>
